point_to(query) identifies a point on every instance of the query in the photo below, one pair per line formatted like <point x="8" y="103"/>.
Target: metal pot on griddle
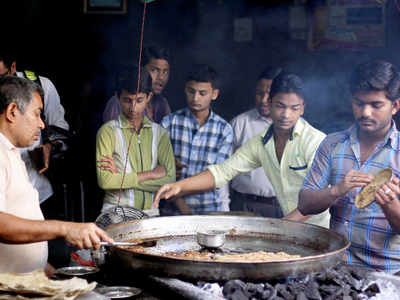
<point x="319" y="247"/>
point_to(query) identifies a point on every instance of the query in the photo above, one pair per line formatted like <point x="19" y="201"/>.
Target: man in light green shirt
<point x="285" y="150"/>
<point x="134" y="155"/>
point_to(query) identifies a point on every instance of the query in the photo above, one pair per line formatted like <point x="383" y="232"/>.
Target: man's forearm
<point x="312" y="202"/>
<point x="148" y="175"/>
<point x="199" y="183"/>
<point x="15" y="230"/>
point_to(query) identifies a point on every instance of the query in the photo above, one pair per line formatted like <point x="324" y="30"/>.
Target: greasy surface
<point x="318" y="247"/>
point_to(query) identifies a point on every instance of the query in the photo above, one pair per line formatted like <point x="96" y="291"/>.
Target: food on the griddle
<point x="258" y="256"/>
<point x="367" y="194"/>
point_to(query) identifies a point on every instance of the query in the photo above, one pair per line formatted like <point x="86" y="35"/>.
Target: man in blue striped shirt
<point x="199" y="138"/>
<point x="347" y="160"/>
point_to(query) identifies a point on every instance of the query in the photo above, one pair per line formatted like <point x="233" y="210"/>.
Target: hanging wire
<point x="137" y="92"/>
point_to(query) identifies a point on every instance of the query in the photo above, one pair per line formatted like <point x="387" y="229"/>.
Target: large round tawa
<point x="319" y="247"/>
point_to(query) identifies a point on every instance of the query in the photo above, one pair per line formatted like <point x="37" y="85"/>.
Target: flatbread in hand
<point x="367" y="194"/>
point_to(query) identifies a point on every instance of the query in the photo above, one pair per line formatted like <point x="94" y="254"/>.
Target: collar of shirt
<point x="190" y="115"/>
<point x="7" y="143"/>
<point x="391" y="137"/>
<point x="124" y="123"/>
<point x="297" y="130"/>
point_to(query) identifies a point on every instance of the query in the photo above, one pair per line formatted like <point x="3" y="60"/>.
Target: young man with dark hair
<point x="23" y="231"/>
<point x="346" y="161"/>
<point x="156" y="62"/>
<point x="252" y="191"/>
<point x="134" y="140"/>
<point x="199" y="138"/>
<point x="285" y="150"/>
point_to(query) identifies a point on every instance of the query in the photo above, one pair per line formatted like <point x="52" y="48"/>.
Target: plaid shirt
<point x="197" y="147"/>
<point x="373" y="241"/>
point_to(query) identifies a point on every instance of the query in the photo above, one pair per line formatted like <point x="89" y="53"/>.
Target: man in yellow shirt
<point x="134" y="155"/>
<point x="285" y="150"/>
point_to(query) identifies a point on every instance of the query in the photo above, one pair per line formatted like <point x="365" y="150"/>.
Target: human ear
<point x="303" y="108"/>
<point x="395" y="106"/>
<point x="11" y="112"/>
<point x="215" y="94"/>
<point x="149" y="96"/>
<point x="13" y="68"/>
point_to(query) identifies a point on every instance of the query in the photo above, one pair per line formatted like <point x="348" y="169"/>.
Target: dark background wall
<point x="80" y="53"/>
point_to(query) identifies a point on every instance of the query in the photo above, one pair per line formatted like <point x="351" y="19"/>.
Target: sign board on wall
<point x="104" y="6"/>
<point x="352" y="24"/>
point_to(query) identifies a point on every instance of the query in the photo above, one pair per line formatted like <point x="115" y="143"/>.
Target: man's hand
<point x="167" y="191"/>
<point x="108" y="164"/>
<point x="85" y="235"/>
<point x="296" y="215"/>
<point x="40" y="157"/>
<point x="46" y="157"/>
<point x="179" y="166"/>
<point x="159" y="172"/>
<point x="351" y="180"/>
<point x="388" y="194"/>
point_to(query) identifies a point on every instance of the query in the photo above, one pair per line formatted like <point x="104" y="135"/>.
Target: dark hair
<point x="203" y="73"/>
<point x="287" y="83"/>
<point x="375" y="76"/>
<point x="156" y="52"/>
<point x="7" y="59"/>
<point x="18" y="90"/>
<point x="269" y="73"/>
<point x="127" y="80"/>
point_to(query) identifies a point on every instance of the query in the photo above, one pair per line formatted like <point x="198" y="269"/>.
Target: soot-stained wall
<point x="80" y="52"/>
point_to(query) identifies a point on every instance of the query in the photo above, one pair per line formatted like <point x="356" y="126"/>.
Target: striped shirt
<point x="373" y="241"/>
<point x="146" y="152"/>
<point x="197" y="147"/>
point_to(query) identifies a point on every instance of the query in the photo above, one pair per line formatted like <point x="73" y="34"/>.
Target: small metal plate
<point x="116" y="292"/>
<point x="77" y="271"/>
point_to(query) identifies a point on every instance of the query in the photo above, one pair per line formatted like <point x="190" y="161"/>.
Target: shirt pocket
<point x="298" y="168"/>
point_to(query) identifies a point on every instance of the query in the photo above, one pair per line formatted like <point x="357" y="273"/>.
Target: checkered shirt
<point x="197" y="147"/>
<point x="374" y="243"/>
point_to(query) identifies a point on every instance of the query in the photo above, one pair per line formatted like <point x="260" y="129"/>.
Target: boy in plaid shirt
<point x="199" y="138"/>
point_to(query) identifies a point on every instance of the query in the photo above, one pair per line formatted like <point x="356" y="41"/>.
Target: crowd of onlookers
<point x="268" y="161"/>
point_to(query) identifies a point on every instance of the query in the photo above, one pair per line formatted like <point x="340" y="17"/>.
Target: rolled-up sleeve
<point x="165" y="159"/>
<point x="105" y="144"/>
<point x="318" y="176"/>
<point x="243" y="160"/>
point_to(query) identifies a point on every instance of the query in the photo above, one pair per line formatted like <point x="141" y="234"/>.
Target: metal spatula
<point x="143" y="243"/>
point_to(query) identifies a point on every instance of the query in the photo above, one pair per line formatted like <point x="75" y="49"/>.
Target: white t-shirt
<point x="19" y="198"/>
<point x="245" y="126"/>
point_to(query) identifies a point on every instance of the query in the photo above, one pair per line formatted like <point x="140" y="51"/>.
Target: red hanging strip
<point x="137" y="92"/>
